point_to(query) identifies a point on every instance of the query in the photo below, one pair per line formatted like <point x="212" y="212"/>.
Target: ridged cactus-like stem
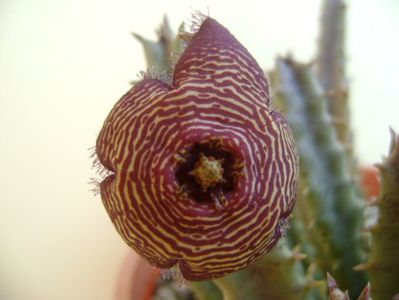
<point x="330" y="70"/>
<point x="206" y="290"/>
<point x="301" y="232"/>
<point x="332" y="197"/>
<point x="276" y="275"/>
<point x="383" y="263"/>
<point x="159" y="54"/>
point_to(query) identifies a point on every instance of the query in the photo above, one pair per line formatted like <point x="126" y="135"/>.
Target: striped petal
<point x="216" y="115"/>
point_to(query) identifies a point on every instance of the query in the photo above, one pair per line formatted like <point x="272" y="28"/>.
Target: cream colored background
<point x="63" y="64"/>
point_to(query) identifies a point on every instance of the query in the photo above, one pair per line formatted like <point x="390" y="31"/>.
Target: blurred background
<point x="63" y="65"/>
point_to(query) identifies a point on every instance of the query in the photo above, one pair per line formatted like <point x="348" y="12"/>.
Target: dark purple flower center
<point x="207" y="172"/>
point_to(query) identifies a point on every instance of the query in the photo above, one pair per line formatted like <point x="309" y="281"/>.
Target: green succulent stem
<point x="330" y="70"/>
<point x="331" y="196"/>
<point x="206" y="290"/>
<point x="300" y="232"/>
<point x="160" y="54"/>
<point x="276" y="275"/>
<point x="383" y="262"/>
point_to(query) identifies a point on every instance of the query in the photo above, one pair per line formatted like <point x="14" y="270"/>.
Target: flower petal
<point x="218" y="103"/>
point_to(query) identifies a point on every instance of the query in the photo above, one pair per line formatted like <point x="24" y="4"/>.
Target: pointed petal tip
<point x="210" y="45"/>
<point x="365" y="294"/>
<point x="331" y="283"/>
<point x="346" y="297"/>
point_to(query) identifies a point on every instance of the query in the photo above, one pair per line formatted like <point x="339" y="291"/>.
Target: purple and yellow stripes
<point x="218" y="91"/>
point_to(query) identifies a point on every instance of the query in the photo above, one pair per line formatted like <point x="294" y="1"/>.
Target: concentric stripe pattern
<point x="218" y="91"/>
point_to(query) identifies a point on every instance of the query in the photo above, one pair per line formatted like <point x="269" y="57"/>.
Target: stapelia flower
<point x="203" y="169"/>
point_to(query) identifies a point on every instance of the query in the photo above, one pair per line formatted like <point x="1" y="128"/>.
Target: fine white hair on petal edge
<point x="174" y="273"/>
<point x="100" y="170"/>
<point x="196" y="20"/>
<point x="152" y="73"/>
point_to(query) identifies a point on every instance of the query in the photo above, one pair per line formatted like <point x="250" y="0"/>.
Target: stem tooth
<point x="361" y="267"/>
<point x="298" y="256"/>
<point x="314" y="284"/>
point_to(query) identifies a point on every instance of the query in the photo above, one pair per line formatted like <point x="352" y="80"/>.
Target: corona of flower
<point x="203" y="170"/>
